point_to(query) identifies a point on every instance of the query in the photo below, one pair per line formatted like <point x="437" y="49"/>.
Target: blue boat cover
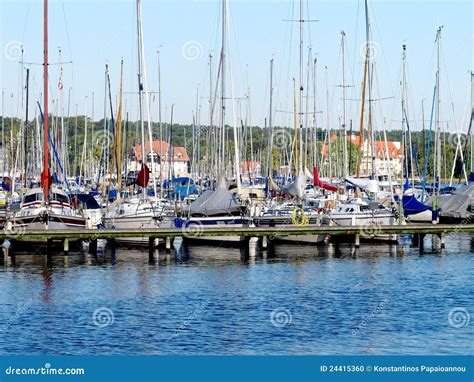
<point x="412" y="206"/>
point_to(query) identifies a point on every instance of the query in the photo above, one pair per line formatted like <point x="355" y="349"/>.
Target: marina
<point x="418" y="232"/>
<point x="209" y="178"/>
<point x="198" y="300"/>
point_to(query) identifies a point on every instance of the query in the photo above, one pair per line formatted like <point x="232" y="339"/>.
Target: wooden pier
<point x="417" y="230"/>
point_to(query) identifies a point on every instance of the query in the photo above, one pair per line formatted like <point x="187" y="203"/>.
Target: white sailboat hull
<point x="369" y="223"/>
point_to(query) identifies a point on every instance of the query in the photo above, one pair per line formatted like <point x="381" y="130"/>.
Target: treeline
<point x="254" y="146"/>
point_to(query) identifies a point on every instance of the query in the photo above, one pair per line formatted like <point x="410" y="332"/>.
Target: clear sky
<point x="93" y="33"/>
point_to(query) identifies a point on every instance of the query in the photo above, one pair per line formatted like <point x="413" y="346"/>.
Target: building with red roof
<point x="163" y="156"/>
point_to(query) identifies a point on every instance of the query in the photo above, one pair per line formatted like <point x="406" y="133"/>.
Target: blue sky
<point x="93" y="33"/>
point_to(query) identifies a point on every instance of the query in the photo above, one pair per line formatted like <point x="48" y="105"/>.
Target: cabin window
<point x="61" y="198"/>
<point x="32" y="198"/>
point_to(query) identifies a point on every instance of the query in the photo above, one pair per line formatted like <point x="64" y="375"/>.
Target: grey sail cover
<point x="218" y="202"/>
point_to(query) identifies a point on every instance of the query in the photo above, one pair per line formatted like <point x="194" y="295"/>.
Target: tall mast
<point x="118" y="146"/>
<point x="26" y="130"/>
<point x="140" y="88"/>
<point x="344" y="132"/>
<point x="438" y="102"/>
<point x="76" y="153"/>
<point x="315" y="125"/>
<point x="211" y="135"/>
<point x="403" y="112"/>
<point x="270" y="125"/>
<point x="364" y="86"/>
<point x="400" y="204"/>
<point x="470" y="122"/>
<point x="3" y="130"/>
<point x="329" y="173"/>
<point x="160" y="126"/>
<point x="300" y="163"/>
<point x="370" y="129"/>
<point x="45" y="176"/>
<point x="223" y="86"/>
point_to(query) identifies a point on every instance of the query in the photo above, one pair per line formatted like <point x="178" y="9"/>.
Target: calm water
<point x="383" y="299"/>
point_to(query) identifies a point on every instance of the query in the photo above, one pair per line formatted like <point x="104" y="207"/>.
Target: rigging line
<point x="69" y="47"/>
<point x="309" y="24"/>
<point x="265" y="107"/>
<point x="411" y="96"/>
<point x="232" y="39"/>
<point x="429" y="74"/>
<point x="355" y="43"/>
<point x="287" y="48"/>
<point x="132" y="62"/>
<point x="288" y="39"/>
<point x="395" y="98"/>
<point x="374" y="21"/>
<point x="26" y="21"/>
<point x="449" y="86"/>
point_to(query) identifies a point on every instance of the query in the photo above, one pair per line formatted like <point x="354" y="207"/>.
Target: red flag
<point x="318" y="183"/>
<point x="46" y="179"/>
<point x="143" y="176"/>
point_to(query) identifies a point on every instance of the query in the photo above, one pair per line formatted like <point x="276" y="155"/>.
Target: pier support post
<point x="151" y="248"/>
<point x="421" y="241"/>
<point x="7" y="247"/>
<point x="66" y="247"/>
<point x="264" y="242"/>
<point x="357" y="240"/>
<point x="168" y="243"/>
<point x="442" y="240"/>
<point x="93" y="247"/>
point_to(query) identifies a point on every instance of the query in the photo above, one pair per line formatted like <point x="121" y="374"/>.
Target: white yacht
<point x="37" y="214"/>
<point x="135" y="213"/>
<point x="370" y="216"/>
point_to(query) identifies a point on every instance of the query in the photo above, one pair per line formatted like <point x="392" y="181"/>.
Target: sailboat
<point x="219" y="207"/>
<point x="413" y="209"/>
<point x="48" y="207"/>
<point x="294" y="212"/>
<point x="365" y="212"/>
<point x="138" y="212"/>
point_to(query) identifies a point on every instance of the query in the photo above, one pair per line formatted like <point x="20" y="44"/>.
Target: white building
<point x="391" y="149"/>
<point x="163" y="157"/>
